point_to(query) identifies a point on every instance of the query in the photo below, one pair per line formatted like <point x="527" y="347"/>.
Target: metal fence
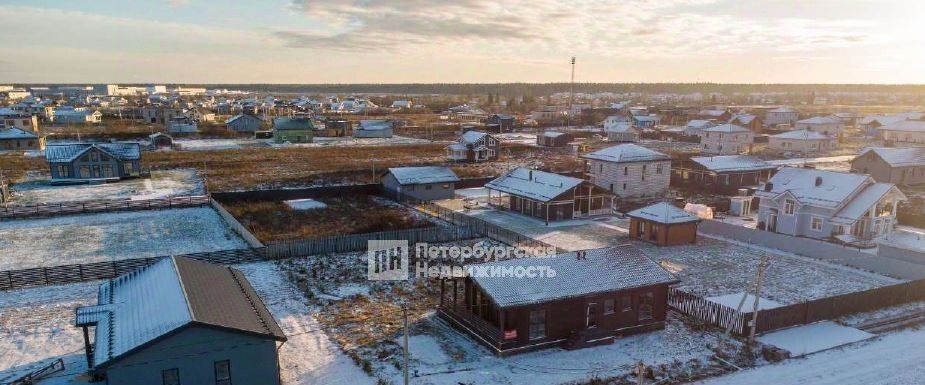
<point x="97" y="206"/>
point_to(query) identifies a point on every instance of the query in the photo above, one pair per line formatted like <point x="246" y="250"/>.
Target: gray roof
<point x="243" y="116"/>
<point x="601" y="270"/>
<point x="375" y="125"/>
<point x="286" y="123"/>
<point x="802" y="135"/>
<point x="534" y="184"/>
<point x="900" y="157"/>
<point x="470" y="137"/>
<point x="835" y="189"/>
<point x="905" y="125"/>
<point x="861" y="203"/>
<point x="68" y="152"/>
<point x="663" y="212"/>
<point x="16" y="133"/>
<point x="142" y="307"/>
<point x="728" y="128"/>
<point x="423" y="175"/>
<point x="626" y="153"/>
<point x="819" y="120"/>
<point x="729" y="163"/>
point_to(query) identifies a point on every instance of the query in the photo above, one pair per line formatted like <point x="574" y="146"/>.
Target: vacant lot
<point x="27" y="243"/>
<point x="274" y="220"/>
<point x="162" y="184"/>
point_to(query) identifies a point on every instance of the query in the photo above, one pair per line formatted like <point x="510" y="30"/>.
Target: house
<point x="182" y="125"/>
<point x="293" y="130"/>
<point x="714" y="114"/>
<point x="695" y="127"/>
<point x="629" y="170"/>
<point x="663" y="224"/>
<point x="823" y="125"/>
<point x="724" y="175"/>
<point x="19" y="139"/>
<point x="244" y="123"/>
<point x="425" y="183"/>
<point x="401" y="104"/>
<point x="903" y="132"/>
<point x="614" y="120"/>
<point x="780" y="116"/>
<point x="76" y="115"/>
<point x="869" y="124"/>
<point x="749" y="121"/>
<point x="547" y="114"/>
<point x="823" y="204"/>
<point x="474" y="146"/>
<point x="645" y="121"/>
<point x="15" y="119"/>
<point x="802" y="141"/>
<point x="727" y="139"/>
<point x="160" y="140"/>
<point x="548" y="196"/>
<point x="373" y="129"/>
<point x="621" y="132"/>
<point x="181" y="321"/>
<point x="500" y="122"/>
<point x="554" y="139"/>
<point x="336" y="127"/>
<point x="593" y="297"/>
<point x="900" y="166"/>
<point x="82" y="162"/>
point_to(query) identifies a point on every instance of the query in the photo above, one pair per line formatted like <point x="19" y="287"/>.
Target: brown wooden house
<point x="548" y="196"/>
<point x="723" y="174"/>
<point x="663" y="224"/>
<point x="554" y="139"/>
<point x="591" y="297"/>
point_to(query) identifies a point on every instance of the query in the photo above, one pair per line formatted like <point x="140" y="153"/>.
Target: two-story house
<point x="727" y="139"/>
<point x="629" y="170"/>
<point x="823" y="204"/>
<point x="474" y="146"/>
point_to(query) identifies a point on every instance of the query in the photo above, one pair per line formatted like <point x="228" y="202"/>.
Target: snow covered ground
<point x="812" y="338"/>
<point x="217" y="144"/>
<point x="906" y="237"/>
<point x="733" y="300"/>
<point x="894" y="359"/>
<point x="162" y="184"/>
<point x="305" y="204"/>
<point x="26" y="243"/>
<point x="341" y="141"/>
<point x="36" y="327"/>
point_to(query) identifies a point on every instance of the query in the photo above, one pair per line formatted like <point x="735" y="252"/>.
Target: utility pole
<point x="404" y="311"/>
<point x="571" y="96"/>
<point x="761" y="268"/>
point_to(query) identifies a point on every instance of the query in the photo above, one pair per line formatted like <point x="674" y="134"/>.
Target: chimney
<point x="818" y="181"/>
<point x="531" y="175"/>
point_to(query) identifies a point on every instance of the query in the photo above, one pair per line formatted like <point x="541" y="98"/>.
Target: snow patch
<point x="812" y="338"/>
<point x="732" y="301"/>
<point x="305" y="204"/>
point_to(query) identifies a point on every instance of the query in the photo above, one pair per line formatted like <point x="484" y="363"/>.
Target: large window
<point x="789" y="206"/>
<point x="626" y="303"/>
<point x="646" y="306"/>
<point x="816" y="224"/>
<point x="223" y="372"/>
<point x="537" y="324"/>
<point x="171" y="376"/>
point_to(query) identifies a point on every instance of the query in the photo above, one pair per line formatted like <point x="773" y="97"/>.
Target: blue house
<point x="181" y="321"/>
<point x="84" y="162"/>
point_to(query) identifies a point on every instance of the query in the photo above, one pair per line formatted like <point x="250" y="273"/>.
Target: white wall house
<point x="802" y="141"/>
<point x="903" y="132"/>
<point x="822" y="124"/>
<point x="782" y="115"/>
<point x="727" y="139"/>
<point x="629" y="170"/>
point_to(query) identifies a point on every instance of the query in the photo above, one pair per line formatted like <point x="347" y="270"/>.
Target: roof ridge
<point x="176" y="269"/>
<point x="250" y="300"/>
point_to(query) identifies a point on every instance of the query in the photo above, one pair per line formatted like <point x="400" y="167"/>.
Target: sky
<point x="462" y="41"/>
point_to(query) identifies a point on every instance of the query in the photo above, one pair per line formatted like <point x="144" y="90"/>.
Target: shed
<point x="244" y="123"/>
<point x="554" y="139"/>
<point x="181" y="321"/>
<point x="421" y="183"/>
<point x="663" y="224"/>
<point x="293" y="130"/>
<point x="373" y="129"/>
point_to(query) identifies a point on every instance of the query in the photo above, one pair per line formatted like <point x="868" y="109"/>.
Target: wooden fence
<point x="358" y="242"/>
<point x="480" y="227"/>
<point x="709" y="312"/>
<point x="97" y="206"/>
<point x="56" y="275"/>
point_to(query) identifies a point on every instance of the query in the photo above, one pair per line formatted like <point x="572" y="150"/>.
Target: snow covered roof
<point x="619" y="127"/>
<point x="141" y="307"/>
<point x="646" y="118"/>
<point x="663" y="212"/>
<point x="905" y="125"/>
<point x="600" y="270"/>
<point x="425" y="174"/>
<point x="699" y="123"/>
<point x="626" y="153"/>
<point x="242" y="116"/>
<point x="743" y="118"/>
<point x="534" y="184"/>
<point x="553" y="134"/>
<point x="68" y="152"/>
<point x="861" y="203"/>
<point x="783" y="110"/>
<point x="833" y="190"/>
<point x="819" y="120"/>
<point x="802" y="135"/>
<point x="900" y="157"/>
<point x="375" y="125"/>
<point x="16" y="133"/>
<point x="470" y="137"/>
<point x="715" y="113"/>
<point x="727" y="128"/>
<point x="726" y="163"/>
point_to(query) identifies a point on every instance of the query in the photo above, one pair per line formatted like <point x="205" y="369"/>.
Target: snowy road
<point x="892" y="360"/>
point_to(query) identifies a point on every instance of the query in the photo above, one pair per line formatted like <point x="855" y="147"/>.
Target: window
<point x="643" y="169"/>
<point x="816" y="224"/>
<point x="646" y="306"/>
<point x="410" y="187"/>
<point x="626" y="170"/>
<point x="624" y="186"/>
<point x="600" y="168"/>
<point x="171" y="376"/>
<point x="537" y="324"/>
<point x="658" y="169"/>
<point x="609" y="306"/>
<point x="611" y="187"/>
<point x="63" y="171"/>
<point x="428" y="187"/>
<point x="789" y="205"/>
<point x="626" y="303"/>
<point x="223" y="372"/>
<point x="127" y="167"/>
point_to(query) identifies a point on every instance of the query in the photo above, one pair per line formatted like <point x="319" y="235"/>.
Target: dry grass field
<point x="275" y="221"/>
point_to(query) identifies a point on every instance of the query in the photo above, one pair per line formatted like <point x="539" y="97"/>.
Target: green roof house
<point x="293" y="130"/>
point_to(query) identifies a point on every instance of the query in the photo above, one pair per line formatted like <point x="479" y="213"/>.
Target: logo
<point x="387" y="260"/>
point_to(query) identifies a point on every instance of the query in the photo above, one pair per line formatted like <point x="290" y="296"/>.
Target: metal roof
<point x="423" y="175"/>
<point x="16" y="133"/>
<point x="286" y="123"/>
<point x="68" y="152"/>
<point x="899" y="157"/>
<point x="533" y="184"/>
<point x="727" y="163"/>
<point x="663" y="212"/>
<point x="626" y="153"/>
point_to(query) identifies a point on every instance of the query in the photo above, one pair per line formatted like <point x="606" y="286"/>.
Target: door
<point x="591" y="315"/>
<point x="772" y="222"/>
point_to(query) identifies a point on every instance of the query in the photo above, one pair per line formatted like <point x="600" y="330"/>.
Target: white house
<point x="629" y="170"/>
<point x="822" y="124"/>
<point x="904" y="132"/>
<point x="76" y="115"/>
<point x="802" y="141"/>
<point x="695" y="127"/>
<point x="782" y="115"/>
<point x="727" y="139"/>
<point x="822" y="204"/>
<point x="621" y="132"/>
